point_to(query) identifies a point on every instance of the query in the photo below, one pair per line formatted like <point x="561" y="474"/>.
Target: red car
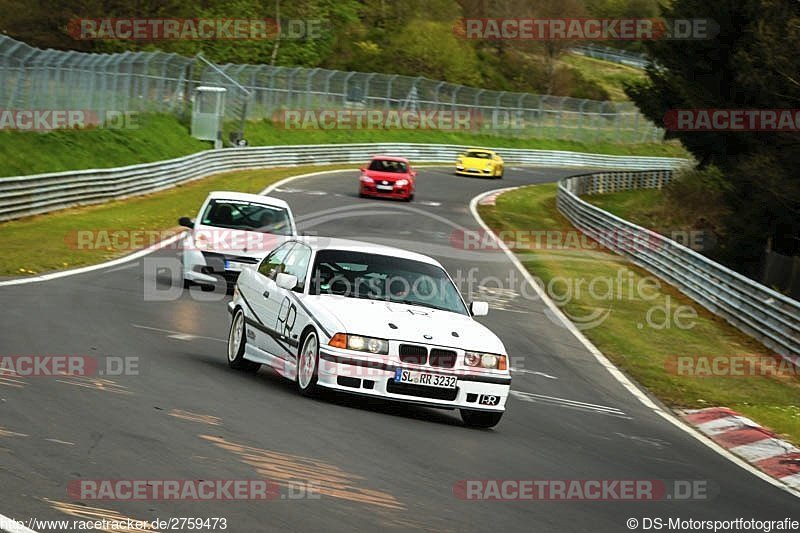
<point x="388" y="177"/>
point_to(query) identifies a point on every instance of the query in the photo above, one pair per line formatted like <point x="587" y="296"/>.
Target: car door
<point x="290" y="317"/>
<point x="261" y="293"/>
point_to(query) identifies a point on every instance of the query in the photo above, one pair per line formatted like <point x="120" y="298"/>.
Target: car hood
<point x="244" y="243"/>
<point x="412" y="323"/>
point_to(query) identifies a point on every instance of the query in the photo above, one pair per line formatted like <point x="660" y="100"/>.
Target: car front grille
<point x="413" y="353"/>
<point x="443" y="358"/>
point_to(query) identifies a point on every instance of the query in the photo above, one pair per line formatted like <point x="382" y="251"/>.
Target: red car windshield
<point x="387" y="165"/>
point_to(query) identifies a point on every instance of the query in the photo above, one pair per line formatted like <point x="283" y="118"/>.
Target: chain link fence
<point x="31" y="78"/>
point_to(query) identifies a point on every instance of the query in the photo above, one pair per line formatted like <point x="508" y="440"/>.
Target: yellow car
<point x="480" y="162"/>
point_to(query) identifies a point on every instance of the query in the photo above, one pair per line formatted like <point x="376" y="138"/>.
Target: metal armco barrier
<point x="770" y="317"/>
<point x="41" y="193"/>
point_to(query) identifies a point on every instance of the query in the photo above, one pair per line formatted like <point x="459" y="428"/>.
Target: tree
<point x="751" y="63"/>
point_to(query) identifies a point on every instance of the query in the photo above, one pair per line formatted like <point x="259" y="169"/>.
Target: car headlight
<point x="485" y="360"/>
<point x="366" y="178"/>
<point x="360" y="343"/>
<point x="401" y="183"/>
<point x="488" y="167"/>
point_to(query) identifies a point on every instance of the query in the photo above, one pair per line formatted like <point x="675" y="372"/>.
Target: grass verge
<point x="159" y="137"/>
<point x="608" y="75"/>
<point x="156" y="137"/>
<point x="645" y="207"/>
<point x="49" y="242"/>
<point x="630" y="334"/>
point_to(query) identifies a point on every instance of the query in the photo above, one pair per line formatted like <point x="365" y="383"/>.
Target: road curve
<point x="374" y="465"/>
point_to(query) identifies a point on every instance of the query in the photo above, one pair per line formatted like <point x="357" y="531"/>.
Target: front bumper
<point x="474" y="172"/>
<point x="353" y="374"/>
<point x="209" y="267"/>
<point x="396" y="192"/>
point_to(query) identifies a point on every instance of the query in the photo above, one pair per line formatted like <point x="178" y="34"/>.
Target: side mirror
<point x="363" y="169"/>
<point x="186" y="222"/>
<point x="479" y="308"/>
<point x="286" y="281"/>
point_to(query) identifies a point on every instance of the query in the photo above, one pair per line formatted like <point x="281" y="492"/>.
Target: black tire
<point x="307" y="385"/>
<point x="236" y="358"/>
<point x="187" y="284"/>
<point x="205" y="287"/>
<point x="480" y="419"/>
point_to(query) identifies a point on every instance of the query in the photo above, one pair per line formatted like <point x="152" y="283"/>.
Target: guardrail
<point x="42" y="193"/>
<point x="615" y="55"/>
<point x="769" y="316"/>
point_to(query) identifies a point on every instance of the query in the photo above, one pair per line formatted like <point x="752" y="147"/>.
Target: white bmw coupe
<point x="368" y="320"/>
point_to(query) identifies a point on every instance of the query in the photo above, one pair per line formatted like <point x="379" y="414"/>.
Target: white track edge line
<point x="608" y="365"/>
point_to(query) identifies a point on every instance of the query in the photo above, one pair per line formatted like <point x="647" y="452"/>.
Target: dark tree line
<point x="753" y="63"/>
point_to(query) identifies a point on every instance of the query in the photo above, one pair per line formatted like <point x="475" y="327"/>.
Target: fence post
<point x="388" y="99"/>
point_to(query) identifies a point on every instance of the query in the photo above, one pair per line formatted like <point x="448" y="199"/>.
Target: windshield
<point x="479" y="155"/>
<point x="382" y="277"/>
<point x="387" y="165"/>
<point x="248" y="216"/>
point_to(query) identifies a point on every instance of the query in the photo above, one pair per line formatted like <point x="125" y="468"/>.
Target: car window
<point x="479" y="155"/>
<point x="374" y="276"/>
<point x="247" y="216"/>
<point x="273" y="263"/>
<point x="296" y="264"/>
<point x="387" y="165"/>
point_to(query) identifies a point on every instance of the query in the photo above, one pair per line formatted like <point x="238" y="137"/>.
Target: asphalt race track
<point x="372" y="466"/>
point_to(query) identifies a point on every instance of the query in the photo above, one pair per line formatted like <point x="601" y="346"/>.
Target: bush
<point x="697" y="196"/>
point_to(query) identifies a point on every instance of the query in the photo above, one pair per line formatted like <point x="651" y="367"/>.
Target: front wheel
<point x="480" y="419"/>
<point x="307" y="362"/>
<point x="236" y="345"/>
